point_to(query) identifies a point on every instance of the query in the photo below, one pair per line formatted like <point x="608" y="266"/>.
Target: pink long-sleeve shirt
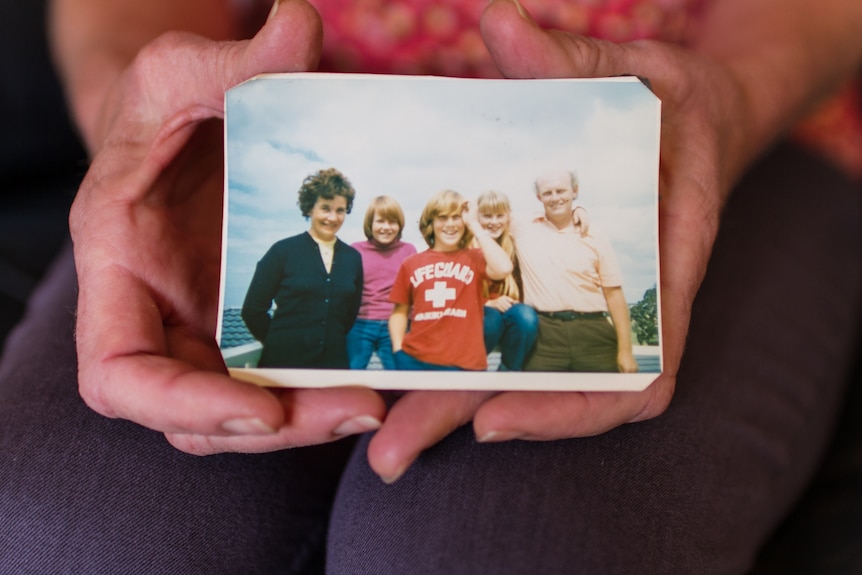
<point x="380" y="266"/>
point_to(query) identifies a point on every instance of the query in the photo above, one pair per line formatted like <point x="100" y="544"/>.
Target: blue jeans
<point x="364" y="338"/>
<point x="514" y="331"/>
<point x="406" y="362"/>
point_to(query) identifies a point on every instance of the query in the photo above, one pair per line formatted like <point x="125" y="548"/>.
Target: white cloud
<point x="411" y="138"/>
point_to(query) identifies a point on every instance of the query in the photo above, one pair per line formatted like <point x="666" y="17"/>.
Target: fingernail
<point x="390" y="479"/>
<point x="247" y="426"/>
<point x="359" y="424"/>
<point x="499" y="436"/>
<point x="524" y="14"/>
<point x="273" y="10"/>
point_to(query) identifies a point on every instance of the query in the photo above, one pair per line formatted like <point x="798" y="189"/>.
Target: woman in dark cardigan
<point x="314" y="279"/>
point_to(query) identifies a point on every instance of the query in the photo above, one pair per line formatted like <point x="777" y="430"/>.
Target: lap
<point x="823" y="533"/>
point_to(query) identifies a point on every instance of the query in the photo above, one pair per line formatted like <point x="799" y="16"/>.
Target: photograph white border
<point x="287" y="98"/>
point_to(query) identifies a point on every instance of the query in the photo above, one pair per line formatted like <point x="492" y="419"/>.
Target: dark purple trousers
<point x="700" y="489"/>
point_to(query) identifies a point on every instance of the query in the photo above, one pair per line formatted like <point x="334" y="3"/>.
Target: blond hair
<point x="493" y="202"/>
<point x="444" y="203"/>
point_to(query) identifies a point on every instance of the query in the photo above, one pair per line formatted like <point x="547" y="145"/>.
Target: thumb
<point x="180" y="79"/>
<point x="522" y="49"/>
<point x="202" y="70"/>
<point x="289" y="41"/>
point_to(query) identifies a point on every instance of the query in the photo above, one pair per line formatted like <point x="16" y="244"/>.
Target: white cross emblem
<point x="440" y="294"/>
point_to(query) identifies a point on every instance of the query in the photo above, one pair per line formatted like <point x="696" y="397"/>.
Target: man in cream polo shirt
<point x="574" y="282"/>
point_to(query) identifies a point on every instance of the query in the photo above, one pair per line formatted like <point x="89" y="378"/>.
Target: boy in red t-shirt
<point x="443" y="286"/>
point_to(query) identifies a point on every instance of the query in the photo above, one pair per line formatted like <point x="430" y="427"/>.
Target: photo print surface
<point x="380" y="230"/>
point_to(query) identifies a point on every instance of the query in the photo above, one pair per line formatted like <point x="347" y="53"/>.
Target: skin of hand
<point x="145" y="318"/>
<point x="471" y="219"/>
<point x="707" y="106"/>
<point x="146" y="226"/>
<point x="501" y="304"/>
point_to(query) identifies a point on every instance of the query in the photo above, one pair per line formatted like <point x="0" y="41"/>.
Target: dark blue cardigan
<point x="314" y="309"/>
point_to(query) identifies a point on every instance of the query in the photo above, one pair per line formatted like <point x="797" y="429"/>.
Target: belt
<point x="573" y="315"/>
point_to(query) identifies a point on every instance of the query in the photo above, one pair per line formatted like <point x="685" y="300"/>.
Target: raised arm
<point x="498" y="264"/>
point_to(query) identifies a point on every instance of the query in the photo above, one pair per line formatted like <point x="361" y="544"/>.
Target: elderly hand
<point x="702" y="102"/>
<point x="147" y="226"/>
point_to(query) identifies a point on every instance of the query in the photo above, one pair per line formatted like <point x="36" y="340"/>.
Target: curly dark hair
<point x="327" y="184"/>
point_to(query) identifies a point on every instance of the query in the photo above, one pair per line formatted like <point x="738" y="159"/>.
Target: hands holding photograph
<point x="146" y="226"/>
<point x="736" y="476"/>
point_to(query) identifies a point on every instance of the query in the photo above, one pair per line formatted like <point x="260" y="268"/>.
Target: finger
<point x="522" y="49"/>
<point x="180" y="79"/>
<point x="202" y="69"/>
<point x="125" y="371"/>
<point x="417" y="421"/>
<point x="548" y="416"/>
<point x="172" y="380"/>
<point x="688" y="224"/>
<point x="312" y="416"/>
<point x="175" y="383"/>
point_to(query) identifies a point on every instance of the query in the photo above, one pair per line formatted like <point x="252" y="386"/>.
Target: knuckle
<point x="659" y="400"/>
<point x="198" y="445"/>
<point x="81" y="213"/>
<point x="162" y="48"/>
<point x="156" y="60"/>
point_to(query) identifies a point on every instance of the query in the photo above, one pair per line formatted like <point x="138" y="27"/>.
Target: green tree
<point x="645" y="318"/>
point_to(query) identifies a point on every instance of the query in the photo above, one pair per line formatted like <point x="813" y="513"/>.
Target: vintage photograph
<point x="502" y="231"/>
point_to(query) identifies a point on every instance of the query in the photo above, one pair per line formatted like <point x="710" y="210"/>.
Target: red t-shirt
<point x="444" y="290"/>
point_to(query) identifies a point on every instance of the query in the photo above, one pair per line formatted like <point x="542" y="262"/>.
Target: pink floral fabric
<point x="442" y="36"/>
<point x="835" y="129"/>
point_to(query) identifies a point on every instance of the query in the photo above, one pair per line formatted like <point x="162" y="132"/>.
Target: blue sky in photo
<point x="409" y="137"/>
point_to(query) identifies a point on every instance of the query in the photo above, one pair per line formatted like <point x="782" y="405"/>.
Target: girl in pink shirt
<point x="382" y="253"/>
